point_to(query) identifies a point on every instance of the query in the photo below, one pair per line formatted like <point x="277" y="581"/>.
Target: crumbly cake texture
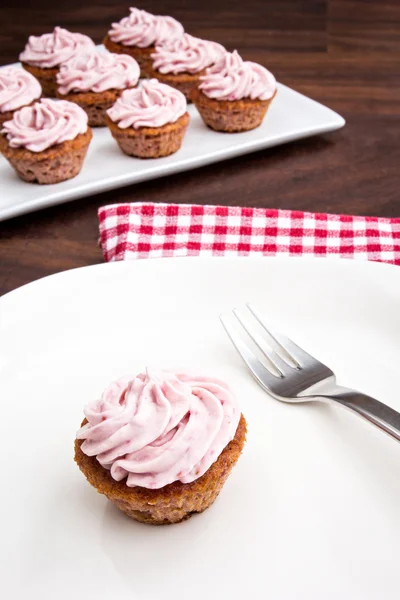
<point x="94" y="104"/>
<point x="187" y="83"/>
<point x="150" y="142"/>
<point x="230" y="116"/>
<point x="46" y="78"/>
<point x="141" y="55"/>
<point x="174" y="502"/>
<point x="57" y="163"/>
<point x="6" y="116"/>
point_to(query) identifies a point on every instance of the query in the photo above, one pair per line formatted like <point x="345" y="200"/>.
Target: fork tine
<point x="267" y="351"/>
<point x="260" y="372"/>
<point x="299" y="356"/>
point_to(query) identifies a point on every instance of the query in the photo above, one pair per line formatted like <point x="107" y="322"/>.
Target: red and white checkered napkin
<point x="143" y="230"/>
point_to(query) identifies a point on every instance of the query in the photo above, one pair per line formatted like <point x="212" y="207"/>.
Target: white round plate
<point x="311" y="511"/>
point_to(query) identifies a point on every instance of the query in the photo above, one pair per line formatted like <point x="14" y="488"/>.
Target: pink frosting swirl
<point x="45" y="124"/>
<point x="97" y="71"/>
<point x="17" y="88"/>
<point x="160" y="427"/>
<point x="188" y="54"/>
<point x="153" y="104"/>
<point x="234" y="79"/>
<point x="143" y="29"/>
<point x="51" y="49"/>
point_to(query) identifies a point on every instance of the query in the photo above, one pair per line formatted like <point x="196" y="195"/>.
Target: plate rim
<point x="353" y="263"/>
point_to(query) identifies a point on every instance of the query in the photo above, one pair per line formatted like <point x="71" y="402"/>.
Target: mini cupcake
<point x="180" y="63"/>
<point x="235" y="94"/>
<point x="17" y="89"/>
<point x="160" y="446"/>
<point x="139" y="33"/>
<point x="149" y="121"/>
<point x="44" y="54"/>
<point x="47" y="141"/>
<point x="94" y="80"/>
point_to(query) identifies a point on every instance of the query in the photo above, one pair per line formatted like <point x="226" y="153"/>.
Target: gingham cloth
<point x="144" y="230"/>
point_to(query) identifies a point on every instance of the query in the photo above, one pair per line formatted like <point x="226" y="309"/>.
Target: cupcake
<point x="94" y="80"/>
<point x="180" y="63"/>
<point x="139" y="33"/>
<point x="17" y="89"/>
<point x="235" y="94"/>
<point x="149" y="121"/>
<point x="160" y="446"/>
<point x="47" y="141"/>
<point x="44" y="54"/>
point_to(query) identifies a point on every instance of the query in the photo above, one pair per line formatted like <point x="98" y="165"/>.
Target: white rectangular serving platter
<point x="291" y="116"/>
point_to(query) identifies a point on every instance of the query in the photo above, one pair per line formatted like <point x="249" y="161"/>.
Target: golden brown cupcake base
<point x="94" y="104"/>
<point x="141" y="55"/>
<point x="186" y="83"/>
<point x="6" y="116"/>
<point x="231" y="116"/>
<point x="150" y="142"/>
<point x="172" y="503"/>
<point x="56" y="164"/>
<point x="46" y="78"/>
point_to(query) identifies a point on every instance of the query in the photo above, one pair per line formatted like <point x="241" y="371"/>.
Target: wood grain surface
<point x="343" y="53"/>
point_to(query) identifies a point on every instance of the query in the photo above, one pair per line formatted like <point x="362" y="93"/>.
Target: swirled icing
<point x="51" y="49"/>
<point x="160" y="427"/>
<point x="143" y="29"/>
<point x="153" y="104"/>
<point x="97" y="71"/>
<point x="234" y="79"/>
<point x="188" y="54"/>
<point x="45" y="124"/>
<point x="17" y="88"/>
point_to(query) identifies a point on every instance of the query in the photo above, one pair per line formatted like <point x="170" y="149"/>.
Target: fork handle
<point x="377" y="413"/>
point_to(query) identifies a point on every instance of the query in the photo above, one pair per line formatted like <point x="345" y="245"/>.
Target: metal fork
<point x="293" y="375"/>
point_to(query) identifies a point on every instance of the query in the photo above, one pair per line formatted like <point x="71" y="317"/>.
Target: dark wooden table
<point x="343" y="53"/>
